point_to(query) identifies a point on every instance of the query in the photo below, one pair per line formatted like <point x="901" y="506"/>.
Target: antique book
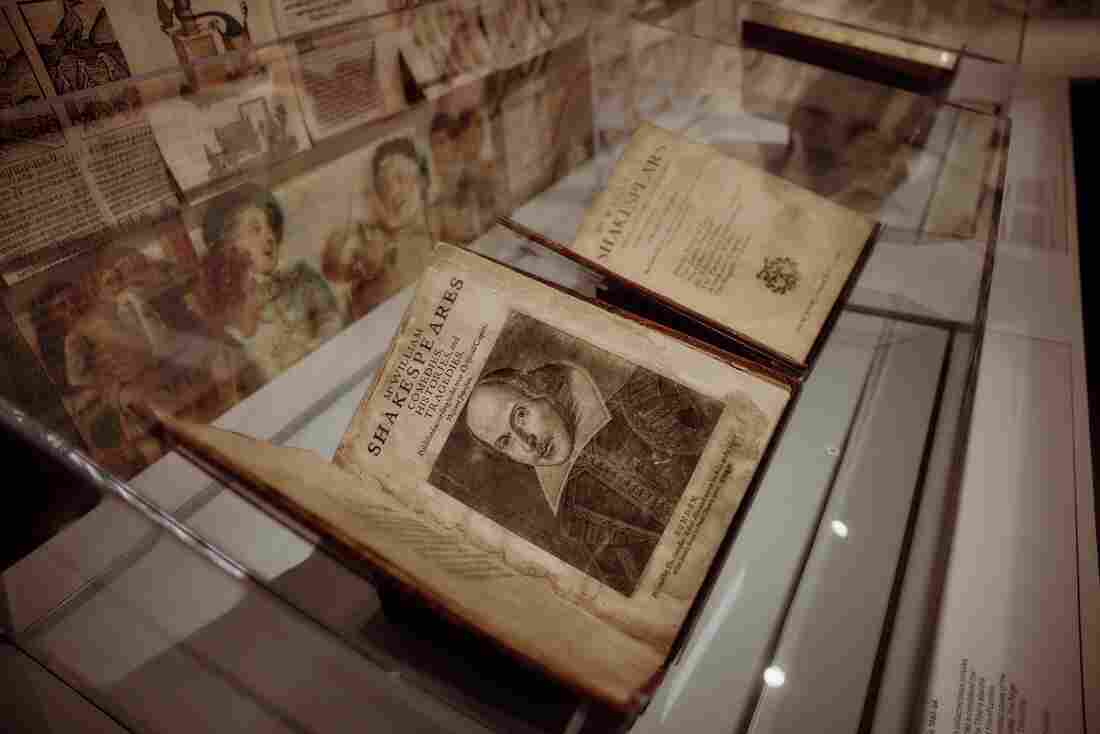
<point x="560" y="474"/>
<point x="688" y="236"/>
<point x="536" y="466"/>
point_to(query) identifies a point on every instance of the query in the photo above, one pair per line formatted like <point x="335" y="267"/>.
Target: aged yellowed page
<point x="554" y="475"/>
<point x="562" y="475"/>
<point x="750" y="251"/>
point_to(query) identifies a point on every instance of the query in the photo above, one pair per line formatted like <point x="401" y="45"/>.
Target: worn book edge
<point x="745" y="351"/>
<point x="363" y="520"/>
<point x="366" y="519"/>
<point x="871" y="54"/>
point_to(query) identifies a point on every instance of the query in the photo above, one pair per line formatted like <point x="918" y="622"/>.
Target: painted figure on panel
<point x="388" y="247"/>
<point x="281" y="313"/>
<point x="465" y="165"/>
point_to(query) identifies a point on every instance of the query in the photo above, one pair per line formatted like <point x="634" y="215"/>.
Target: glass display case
<point x="222" y="208"/>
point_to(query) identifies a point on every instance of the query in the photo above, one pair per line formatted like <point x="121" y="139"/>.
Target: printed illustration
<point x="76" y="42"/>
<point x="385" y="243"/>
<point x="105" y="111"/>
<point x="340" y="82"/>
<point x="200" y="36"/>
<point x="277" y="310"/>
<point x="228" y="128"/>
<point x="27" y="125"/>
<point x="121" y="336"/>
<point x="446" y="46"/>
<point x="464" y="158"/>
<point x="256" y="132"/>
<point x="17" y="83"/>
<point x="579" y="451"/>
<point x="779" y="274"/>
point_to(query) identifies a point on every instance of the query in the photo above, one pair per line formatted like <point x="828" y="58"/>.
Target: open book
<point x="738" y="250"/>
<point x="555" y="473"/>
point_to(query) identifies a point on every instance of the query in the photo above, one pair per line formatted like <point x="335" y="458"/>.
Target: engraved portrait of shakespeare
<point x="576" y="450"/>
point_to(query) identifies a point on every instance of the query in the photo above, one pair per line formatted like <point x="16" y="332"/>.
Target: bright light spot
<point x="774" y="676"/>
<point x="945" y="57"/>
<point x="840" y="529"/>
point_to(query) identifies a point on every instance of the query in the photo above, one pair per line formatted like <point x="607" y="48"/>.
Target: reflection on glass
<point x="840" y="529"/>
<point x="774" y="676"/>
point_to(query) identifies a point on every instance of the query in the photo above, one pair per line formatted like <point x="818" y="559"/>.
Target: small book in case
<point x="558" y="473"/>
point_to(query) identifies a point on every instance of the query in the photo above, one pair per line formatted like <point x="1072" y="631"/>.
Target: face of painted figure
<point x="399" y="188"/>
<point x="457" y="141"/>
<point x="363" y="256"/>
<point x="531" y="431"/>
<point x="253" y="235"/>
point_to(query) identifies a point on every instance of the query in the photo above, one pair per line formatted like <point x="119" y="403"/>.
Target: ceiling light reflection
<point x="774" y="676"/>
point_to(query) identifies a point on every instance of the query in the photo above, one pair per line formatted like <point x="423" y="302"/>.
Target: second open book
<point x="556" y="474"/>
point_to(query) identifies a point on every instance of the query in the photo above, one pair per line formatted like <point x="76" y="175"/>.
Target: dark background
<point x="1085" y="112"/>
